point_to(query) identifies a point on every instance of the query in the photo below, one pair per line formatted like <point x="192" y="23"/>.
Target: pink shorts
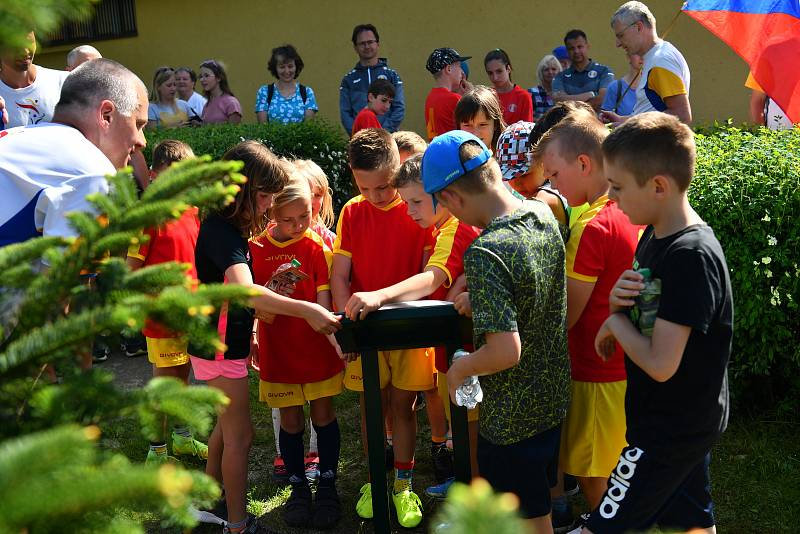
<point x="210" y="369"/>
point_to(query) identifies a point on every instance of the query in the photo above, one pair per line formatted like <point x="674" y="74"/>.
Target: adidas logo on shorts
<point x="619" y="482"/>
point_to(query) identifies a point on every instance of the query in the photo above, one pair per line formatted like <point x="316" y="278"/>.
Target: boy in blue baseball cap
<point x="515" y="273"/>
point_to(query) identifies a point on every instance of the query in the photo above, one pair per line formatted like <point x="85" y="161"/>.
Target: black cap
<point x="442" y="57"/>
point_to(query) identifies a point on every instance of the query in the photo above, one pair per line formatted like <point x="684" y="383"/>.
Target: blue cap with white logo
<point x="441" y="162"/>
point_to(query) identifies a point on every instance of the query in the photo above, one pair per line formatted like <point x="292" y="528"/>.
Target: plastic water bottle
<point x="469" y="393"/>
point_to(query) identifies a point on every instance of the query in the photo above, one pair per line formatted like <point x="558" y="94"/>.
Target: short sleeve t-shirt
<point x="285" y="109"/>
<point x="219" y="109"/>
<point x="196" y="104"/>
<point x="600" y="247"/>
<point x="451" y="239"/>
<point x="219" y="246"/>
<point x="665" y="73"/>
<point x="46" y="171"/>
<point x="685" y="415"/>
<point x="775" y="117"/>
<point x="574" y="82"/>
<point x="384" y="245"/>
<point x="515" y="275"/>
<point x="168" y="116"/>
<point x="517" y="105"/>
<point x="619" y="98"/>
<point x="440" y="107"/>
<point x="290" y="352"/>
<point x="35" y="103"/>
<point x="174" y="241"/>
<point x="366" y="118"/>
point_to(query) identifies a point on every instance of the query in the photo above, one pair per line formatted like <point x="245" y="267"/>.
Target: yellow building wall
<point x="242" y="33"/>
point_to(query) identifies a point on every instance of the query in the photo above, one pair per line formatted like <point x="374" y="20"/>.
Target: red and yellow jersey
<point x="174" y="241"/>
<point x="440" y="106"/>
<point x="290" y="352"/>
<point x="451" y="239"/>
<point x="384" y="245"/>
<point x="601" y="246"/>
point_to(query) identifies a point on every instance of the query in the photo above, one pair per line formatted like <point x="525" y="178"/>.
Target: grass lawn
<point x="755" y="472"/>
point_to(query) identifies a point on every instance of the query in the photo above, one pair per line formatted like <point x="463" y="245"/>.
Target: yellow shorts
<point x="408" y="369"/>
<point x="593" y="434"/>
<point x="167" y="351"/>
<point x="278" y="395"/>
<point x="472" y="415"/>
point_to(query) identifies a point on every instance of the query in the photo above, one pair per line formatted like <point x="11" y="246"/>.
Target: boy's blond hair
<point x="168" y="152"/>
<point x="410" y="142"/>
<point x="317" y="178"/>
<point x="297" y="188"/>
<point x="373" y="149"/>
<point x="410" y="172"/>
<point x="650" y="144"/>
<point x="575" y="135"/>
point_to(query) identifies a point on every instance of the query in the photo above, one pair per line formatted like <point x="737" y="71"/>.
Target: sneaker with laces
<point x="439" y="491"/>
<point x="364" y="504"/>
<point x="252" y="527"/>
<point x="327" y="507"/>
<point x="279" y="471"/>
<point x="312" y="466"/>
<point x="297" y="510"/>
<point x="577" y="526"/>
<point x="442" y="463"/>
<point x="100" y="351"/>
<point x="183" y="446"/>
<point x="408" y="508"/>
<point x="154" y="458"/>
<point x="562" y="519"/>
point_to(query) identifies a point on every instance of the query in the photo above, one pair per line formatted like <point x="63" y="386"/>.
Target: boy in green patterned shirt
<point x="515" y="274"/>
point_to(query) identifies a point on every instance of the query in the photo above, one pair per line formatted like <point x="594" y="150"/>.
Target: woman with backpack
<point x="286" y="100"/>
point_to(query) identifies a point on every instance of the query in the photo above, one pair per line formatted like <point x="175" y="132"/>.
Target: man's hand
<point x="361" y="304"/>
<point x="605" y="344"/>
<point x="320" y="319"/>
<point x="609" y="117"/>
<point x="624" y="292"/>
<point x="463" y="305"/>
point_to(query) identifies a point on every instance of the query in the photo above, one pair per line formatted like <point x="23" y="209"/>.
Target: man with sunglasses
<point x="370" y="67"/>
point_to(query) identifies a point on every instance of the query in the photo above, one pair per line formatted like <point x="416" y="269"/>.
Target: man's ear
<point x="586" y="164"/>
<point x="106" y="113"/>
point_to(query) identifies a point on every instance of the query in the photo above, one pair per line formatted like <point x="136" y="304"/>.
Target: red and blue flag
<point x="766" y="34"/>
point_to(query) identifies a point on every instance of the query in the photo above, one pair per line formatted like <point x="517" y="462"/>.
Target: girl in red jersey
<point x="296" y="364"/>
<point x="516" y="101"/>
<point x="479" y="113"/>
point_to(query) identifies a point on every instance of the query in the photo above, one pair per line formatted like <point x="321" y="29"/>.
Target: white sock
<point x="276" y="427"/>
<point x="312" y="441"/>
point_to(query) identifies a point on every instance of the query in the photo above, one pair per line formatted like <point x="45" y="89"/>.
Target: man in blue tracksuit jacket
<point x="353" y="90"/>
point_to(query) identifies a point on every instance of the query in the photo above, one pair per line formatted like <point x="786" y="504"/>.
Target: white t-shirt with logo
<point x="46" y="171"/>
<point x="37" y="102"/>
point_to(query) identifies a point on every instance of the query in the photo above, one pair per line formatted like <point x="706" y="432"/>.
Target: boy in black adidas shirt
<point x="673" y="315"/>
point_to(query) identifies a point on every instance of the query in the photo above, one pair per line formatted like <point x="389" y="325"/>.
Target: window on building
<point x="112" y="19"/>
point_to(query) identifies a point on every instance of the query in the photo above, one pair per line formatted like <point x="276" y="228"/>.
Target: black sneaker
<point x="297" y="510"/>
<point x="442" y="463"/>
<point x="135" y="346"/>
<point x="578" y="524"/>
<point x="562" y="520"/>
<point x="571" y="486"/>
<point x="100" y="351"/>
<point x="327" y="508"/>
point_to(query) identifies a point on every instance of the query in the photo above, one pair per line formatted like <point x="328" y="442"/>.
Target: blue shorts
<point x="528" y="469"/>
<point x="647" y="490"/>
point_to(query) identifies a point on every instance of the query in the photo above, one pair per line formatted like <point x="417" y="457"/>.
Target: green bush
<point x="747" y="187"/>
<point x="316" y="140"/>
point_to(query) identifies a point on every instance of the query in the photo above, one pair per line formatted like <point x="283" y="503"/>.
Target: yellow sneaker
<point x="364" y="504"/>
<point x="182" y="446"/>
<point x="408" y="507"/>
<point x="154" y="458"/>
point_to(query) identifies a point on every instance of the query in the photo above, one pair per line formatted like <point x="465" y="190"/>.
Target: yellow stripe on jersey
<point x="445" y="236"/>
<point x="665" y="83"/>
<point x="576" y="233"/>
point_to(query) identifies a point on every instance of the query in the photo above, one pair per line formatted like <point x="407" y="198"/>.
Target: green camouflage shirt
<point x="516" y="278"/>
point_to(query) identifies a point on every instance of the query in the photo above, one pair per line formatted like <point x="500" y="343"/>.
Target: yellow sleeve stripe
<point x="322" y="288"/>
<point x="665" y="83"/>
<point x="443" y="248"/>
<point x="581" y="277"/>
<point x="343" y="253"/>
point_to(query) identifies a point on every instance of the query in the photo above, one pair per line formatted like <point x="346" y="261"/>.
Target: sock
<point x="313" y="443"/>
<point x="402" y="475"/>
<point x="560" y="503"/>
<point x="237" y="527"/>
<point x="329" y="445"/>
<point x="158" y="447"/>
<point x="292" y="449"/>
<point x="276" y="427"/>
<point x="182" y="431"/>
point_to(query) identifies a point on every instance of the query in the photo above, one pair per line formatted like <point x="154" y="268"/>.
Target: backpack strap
<point x="303" y="92"/>
<point x="270" y="93"/>
<point x="620" y="95"/>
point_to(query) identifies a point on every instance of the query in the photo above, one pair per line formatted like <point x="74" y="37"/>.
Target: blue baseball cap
<point x="561" y="52"/>
<point x="441" y="163"/>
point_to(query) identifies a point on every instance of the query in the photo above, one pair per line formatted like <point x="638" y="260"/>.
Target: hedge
<point x="316" y="140"/>
<point x="747" y="187"/>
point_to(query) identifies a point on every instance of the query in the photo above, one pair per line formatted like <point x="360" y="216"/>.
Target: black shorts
<point x="527" y="469"/>
<point x="646" y="490"/>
